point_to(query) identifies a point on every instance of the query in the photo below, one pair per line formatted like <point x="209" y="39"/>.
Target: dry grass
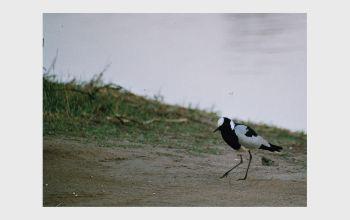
<point x="104" y="112"/>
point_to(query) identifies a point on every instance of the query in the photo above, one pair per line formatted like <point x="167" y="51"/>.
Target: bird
<point x="242" y="138"/>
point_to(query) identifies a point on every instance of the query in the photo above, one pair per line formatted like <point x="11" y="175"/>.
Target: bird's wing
<point x="248" y="137"/>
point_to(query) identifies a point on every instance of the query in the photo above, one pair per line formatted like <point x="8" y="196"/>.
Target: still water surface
<point x="246" y="66"/>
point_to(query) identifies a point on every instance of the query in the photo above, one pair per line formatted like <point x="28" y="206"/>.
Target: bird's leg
<point x="246" y="173"/>
<point x="225" y="174"/>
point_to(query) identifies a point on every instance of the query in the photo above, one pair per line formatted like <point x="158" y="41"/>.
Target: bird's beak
<point x="216" y="129"/>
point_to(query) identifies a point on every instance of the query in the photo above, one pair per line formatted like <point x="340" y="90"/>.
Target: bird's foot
<point x="242" y="178"/>
<point x="225" y="175"/>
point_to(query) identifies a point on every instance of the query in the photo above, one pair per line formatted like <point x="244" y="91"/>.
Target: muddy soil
<point x="79" y="174"/>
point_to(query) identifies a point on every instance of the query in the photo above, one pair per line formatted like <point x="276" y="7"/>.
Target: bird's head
<point x="223" y="122"/>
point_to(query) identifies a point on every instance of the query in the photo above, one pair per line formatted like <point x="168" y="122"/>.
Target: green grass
<point x="109" y="114"/>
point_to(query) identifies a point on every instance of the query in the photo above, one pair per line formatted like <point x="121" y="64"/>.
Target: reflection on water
<point x="249" y="66"/>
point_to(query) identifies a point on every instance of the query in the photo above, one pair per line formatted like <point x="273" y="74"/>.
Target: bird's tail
<point x="275" y="148"/>
<point x="272" y="148"/>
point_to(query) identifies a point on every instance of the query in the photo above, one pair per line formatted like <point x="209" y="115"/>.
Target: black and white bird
<point x="242" y="138"/>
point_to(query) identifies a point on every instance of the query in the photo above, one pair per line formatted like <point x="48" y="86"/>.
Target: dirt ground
<point x="77" y="174"/>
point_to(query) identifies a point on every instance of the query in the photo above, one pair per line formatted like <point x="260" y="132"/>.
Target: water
<point x="247" y="66"/>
